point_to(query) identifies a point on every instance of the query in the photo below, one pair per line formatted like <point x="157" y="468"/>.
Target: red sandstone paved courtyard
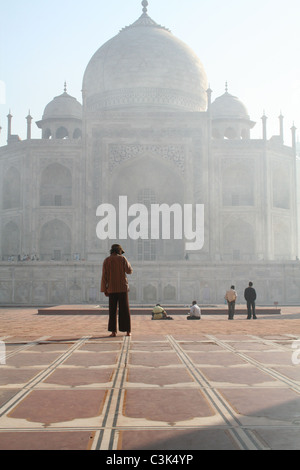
<point x="177" y="385"/>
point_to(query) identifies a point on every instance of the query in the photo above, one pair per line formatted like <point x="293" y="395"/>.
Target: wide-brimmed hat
<point x="116" y="249"/>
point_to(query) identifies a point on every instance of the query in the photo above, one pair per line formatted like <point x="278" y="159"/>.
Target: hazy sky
<point x="254" y="45"/>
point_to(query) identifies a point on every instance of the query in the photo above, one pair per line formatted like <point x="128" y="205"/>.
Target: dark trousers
<point x="251" y="308"/>
<point x="231" y="309"/>
<point x="121" y="299"/>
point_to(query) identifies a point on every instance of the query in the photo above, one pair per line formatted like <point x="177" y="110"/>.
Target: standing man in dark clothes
<point x="250" y="296"/>
<point x="115" y="286"/>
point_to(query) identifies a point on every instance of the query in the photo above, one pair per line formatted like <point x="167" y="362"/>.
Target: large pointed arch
<point x="238" y="188"/>
<point x="12" y="189"/>
<point x="137" y="178"/>
<point x="238" y="240"/>
<point x="55" y="241"/>
<point x="10" y="240"/>
<point x="56" y="186"/>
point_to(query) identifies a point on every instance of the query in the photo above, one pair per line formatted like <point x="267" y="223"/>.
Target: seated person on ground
<point x="195" y="312"/>
<point x="159" y="313"/>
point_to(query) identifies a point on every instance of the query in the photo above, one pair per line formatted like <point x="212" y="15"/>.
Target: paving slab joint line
<point x="25" y="347"/>
<point x="273" y="373"/>
<point x="243" y="437"/>
<point x="106" y="438"/>
<point x="29" y="386"/>
<point x="269" y="342"/>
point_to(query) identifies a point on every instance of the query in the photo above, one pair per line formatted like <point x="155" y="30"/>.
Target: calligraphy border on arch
<point x="119" y="154"/>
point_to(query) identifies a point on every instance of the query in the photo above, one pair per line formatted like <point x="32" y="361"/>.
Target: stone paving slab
<point x="66" y="385"/>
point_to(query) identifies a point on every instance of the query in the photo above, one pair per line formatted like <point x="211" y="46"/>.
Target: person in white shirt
<point x="195" y="312"/>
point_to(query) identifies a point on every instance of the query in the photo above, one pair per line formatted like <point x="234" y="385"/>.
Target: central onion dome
<point x="145" y="65"/>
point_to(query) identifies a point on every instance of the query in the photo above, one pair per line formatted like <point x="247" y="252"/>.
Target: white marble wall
<point x="38" y="283"/>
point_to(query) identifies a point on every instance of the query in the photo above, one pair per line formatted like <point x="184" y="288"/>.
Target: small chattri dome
<point x="230" y="118"/>
<point x="228" y="106"/>
<point x="62" y="118"/>
<point x="63" y="106"/>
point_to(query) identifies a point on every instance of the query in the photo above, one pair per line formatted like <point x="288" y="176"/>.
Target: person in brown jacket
<point x="115" y="286"/>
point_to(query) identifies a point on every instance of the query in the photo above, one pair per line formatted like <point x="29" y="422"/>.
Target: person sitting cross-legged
<point x="195" y="312"/>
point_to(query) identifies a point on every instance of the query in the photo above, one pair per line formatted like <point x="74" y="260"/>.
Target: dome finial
<point x="145" y="4"/>
<point x="226" y="87"/>
<point x="65" y="87"/>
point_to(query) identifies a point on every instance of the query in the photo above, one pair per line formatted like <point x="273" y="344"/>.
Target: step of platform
<point x="100" y="310"/>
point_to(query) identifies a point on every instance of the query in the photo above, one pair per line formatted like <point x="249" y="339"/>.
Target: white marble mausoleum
<point x="149" y="128"/>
